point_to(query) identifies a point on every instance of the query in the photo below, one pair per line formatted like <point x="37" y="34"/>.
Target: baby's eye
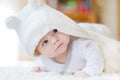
<point x="55" y="30"/>
<point x="44" y="42"/>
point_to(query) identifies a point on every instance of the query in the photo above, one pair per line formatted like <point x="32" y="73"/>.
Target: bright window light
<point x="8" y="38"/>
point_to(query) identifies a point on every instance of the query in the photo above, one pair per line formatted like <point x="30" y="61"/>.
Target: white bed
<point x="23" y="72"/>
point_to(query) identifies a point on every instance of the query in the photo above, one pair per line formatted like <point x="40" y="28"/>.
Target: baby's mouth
<point x="60" y="45"/>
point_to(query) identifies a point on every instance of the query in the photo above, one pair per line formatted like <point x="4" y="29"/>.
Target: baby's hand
<point x="37" y="69"/>
<point x="80" y="74"/>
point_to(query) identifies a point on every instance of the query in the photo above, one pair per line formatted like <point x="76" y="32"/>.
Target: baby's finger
<point x="37" y="69"/>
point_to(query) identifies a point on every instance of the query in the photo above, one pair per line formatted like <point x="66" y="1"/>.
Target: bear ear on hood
<point x="12" y="22"/>
<point x="36" y="3"/>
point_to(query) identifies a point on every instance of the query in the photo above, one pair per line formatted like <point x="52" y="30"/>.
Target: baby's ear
<point x="36" y="3"/>
<point x="12" y="22"/>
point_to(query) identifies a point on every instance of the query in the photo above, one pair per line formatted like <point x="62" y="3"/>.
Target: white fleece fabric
<point x="25" y="73"/>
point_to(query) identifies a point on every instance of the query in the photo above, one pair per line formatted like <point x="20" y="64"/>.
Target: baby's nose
<point x="54" y="39"/>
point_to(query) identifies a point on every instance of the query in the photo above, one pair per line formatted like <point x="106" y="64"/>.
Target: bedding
<point x="25" y="73"/>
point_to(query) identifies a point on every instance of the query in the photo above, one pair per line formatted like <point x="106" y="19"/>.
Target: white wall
<point x="110" y="16"/>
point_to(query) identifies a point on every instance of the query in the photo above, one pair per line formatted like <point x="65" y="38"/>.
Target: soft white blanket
<point x="25" y="73"/>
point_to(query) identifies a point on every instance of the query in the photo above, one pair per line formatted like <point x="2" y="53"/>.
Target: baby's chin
<point x="60" y="52"/>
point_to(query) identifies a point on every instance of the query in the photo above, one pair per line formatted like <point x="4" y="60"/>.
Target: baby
<point x="63" y="53"/>
<point x="58" y="43"/>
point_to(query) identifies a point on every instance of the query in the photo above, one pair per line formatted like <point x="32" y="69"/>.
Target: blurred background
<point x="94" y="11"/>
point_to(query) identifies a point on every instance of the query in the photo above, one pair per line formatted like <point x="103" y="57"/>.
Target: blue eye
<point x="44" y="42"/>
<point x="55" y="30"/>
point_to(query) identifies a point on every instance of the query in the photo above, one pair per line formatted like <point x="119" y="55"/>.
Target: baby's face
<point x="53" y="43"/>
